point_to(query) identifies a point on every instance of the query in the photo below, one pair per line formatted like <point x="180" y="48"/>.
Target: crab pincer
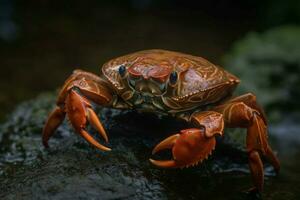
<point x="79" y="112"/>
<point x="189" y="147"/>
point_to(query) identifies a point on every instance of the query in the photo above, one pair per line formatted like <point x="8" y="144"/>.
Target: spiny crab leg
<point x="189" y="148"/>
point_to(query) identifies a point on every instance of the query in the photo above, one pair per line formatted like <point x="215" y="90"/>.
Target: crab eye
<point x="122" y="70"/>
<point x="173" y="77"/>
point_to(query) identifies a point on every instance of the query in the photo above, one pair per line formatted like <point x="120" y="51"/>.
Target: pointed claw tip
<point x="94" y="120"/>
<point x="163" y="164"/>
<point x="104" y="135"/>
<point x="154" y="151"/>
<point x="45" y="141"/>
<point x="108" y="149"/>
<point x="158" y="148"/>
<point x="92" y="141"/>
<point x="104" y="148"/>
<point x="167" y="143"/>
<point x="154" y="162"/>
<point x="46" y="145"/>
<point x="151" y="160"/>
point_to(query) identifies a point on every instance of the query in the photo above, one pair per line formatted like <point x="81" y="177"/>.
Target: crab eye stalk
<point x="122" y="70"/>
<point x="173" y="78"/>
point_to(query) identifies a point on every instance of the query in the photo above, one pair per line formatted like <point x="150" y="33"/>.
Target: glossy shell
<point x="199" y="81"/>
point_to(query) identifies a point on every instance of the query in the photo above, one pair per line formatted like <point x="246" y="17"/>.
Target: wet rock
<point x="72" y="169"/>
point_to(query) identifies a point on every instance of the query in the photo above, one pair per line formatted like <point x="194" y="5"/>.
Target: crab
<point x="186" y="87"/>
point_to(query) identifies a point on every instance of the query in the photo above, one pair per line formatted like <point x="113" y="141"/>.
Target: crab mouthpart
<point x="189" y="148"/>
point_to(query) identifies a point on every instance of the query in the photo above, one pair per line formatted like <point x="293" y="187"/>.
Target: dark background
<point x="42" y="41"/>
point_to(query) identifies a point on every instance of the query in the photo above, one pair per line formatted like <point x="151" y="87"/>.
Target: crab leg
<point x="55" y="119"/>
<point x="192" y="146"/>
<point x="238" y="114"/>
<point x="73" y="101"/>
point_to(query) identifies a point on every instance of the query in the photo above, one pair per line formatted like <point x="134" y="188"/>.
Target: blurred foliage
<point x="268" y="65"/>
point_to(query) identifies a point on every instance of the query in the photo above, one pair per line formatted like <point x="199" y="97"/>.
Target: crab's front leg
<point x="193" y="145"/>
<point x="74" y="101"/>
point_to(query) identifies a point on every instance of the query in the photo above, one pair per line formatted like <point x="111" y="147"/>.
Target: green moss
<point x="268" y="65"/>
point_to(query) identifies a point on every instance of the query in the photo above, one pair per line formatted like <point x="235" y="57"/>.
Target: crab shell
<point x="148" y="74"/>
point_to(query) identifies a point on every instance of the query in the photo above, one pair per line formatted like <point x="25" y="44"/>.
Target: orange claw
<point x="92" y="141"/>
<point x="79" y="111"/>
<point x="95" y="122"/>
<point x="189" y="147"/>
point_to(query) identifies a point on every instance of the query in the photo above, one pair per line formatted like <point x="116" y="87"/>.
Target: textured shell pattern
<point x="199" y="80"/>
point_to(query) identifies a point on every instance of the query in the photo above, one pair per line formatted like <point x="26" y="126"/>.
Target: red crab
<point x="184" y="86"/>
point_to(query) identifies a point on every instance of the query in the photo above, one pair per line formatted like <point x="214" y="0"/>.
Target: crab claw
<point x="79" y="111"/>
<point x="189" y="148"/>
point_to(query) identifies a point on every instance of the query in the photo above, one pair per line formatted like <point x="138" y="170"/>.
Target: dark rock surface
<point x="71" y="169"/>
